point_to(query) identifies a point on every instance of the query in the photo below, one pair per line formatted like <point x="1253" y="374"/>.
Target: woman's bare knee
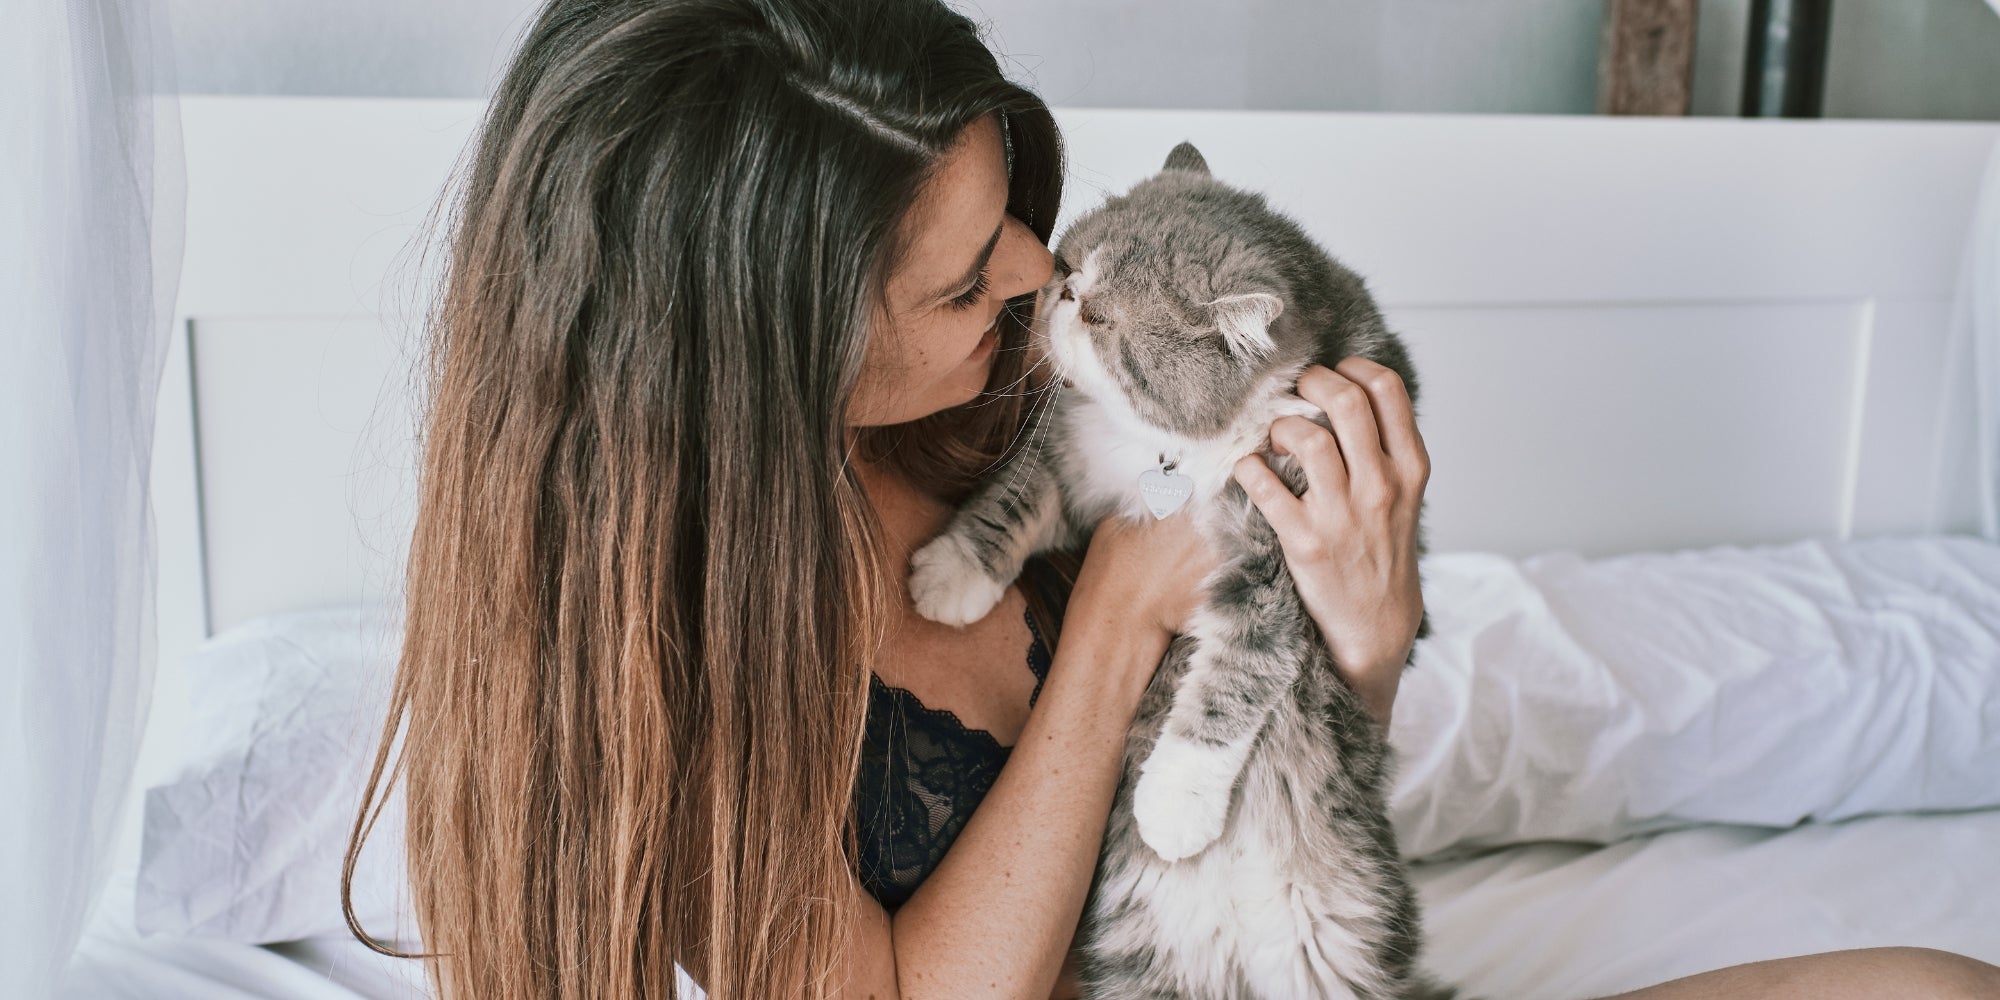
<point x="1952" y="975"/>
<point x="1895" y="973"/>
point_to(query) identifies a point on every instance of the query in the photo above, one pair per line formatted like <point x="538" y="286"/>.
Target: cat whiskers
<point x="1038" y="414"/>
<point x="1007" y="391"/>
<point x="1040" y="417"/>
<point x="1014" y="309"/>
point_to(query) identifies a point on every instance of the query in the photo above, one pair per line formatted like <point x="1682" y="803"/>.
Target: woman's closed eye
<point x="971" y="296"/>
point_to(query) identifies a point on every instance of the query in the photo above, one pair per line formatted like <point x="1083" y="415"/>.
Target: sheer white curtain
<point x="91" y="191"/>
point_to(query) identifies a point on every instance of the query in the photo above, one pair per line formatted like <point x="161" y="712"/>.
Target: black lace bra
<point x="923" y="772"/>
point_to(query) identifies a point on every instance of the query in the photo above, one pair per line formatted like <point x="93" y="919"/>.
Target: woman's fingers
<point x="1317" y="453"/>
<point x="1395" y="417"/>
<point x="1352" y="413"/>
<point x="1370" y="460"/>
<point x="1286" y="512"/>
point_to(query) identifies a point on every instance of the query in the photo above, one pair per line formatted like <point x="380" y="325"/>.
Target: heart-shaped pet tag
<point x="1164" y="491"/>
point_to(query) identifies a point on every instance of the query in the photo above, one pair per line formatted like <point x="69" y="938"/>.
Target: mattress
<point x="1538" y="921"/>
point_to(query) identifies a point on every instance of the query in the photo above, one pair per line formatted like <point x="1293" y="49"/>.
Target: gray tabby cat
<point x="1180" y="331"/>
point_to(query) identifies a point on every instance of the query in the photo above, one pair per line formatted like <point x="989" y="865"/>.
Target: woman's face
<point x="964" y="258"/>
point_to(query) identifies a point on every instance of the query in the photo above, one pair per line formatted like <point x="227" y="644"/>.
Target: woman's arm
<point x="996" y="917"/>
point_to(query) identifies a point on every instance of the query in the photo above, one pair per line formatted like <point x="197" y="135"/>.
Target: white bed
<point x="1637" y="335"/>
<point x="1525" y="923"/>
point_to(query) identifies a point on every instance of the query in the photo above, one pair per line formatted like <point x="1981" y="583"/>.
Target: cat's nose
<point x="1066" y="295"/>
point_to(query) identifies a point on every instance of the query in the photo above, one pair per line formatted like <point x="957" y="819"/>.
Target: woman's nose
<point x="1027" y="264"/>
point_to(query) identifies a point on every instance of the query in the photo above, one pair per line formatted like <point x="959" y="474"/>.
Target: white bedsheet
<point x="1563" y="921"/>
<point x="1542" y="921"/>
<point x="116" y="962"/>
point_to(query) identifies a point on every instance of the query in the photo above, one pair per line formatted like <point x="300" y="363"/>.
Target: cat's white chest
<point x="1110" y="457"/>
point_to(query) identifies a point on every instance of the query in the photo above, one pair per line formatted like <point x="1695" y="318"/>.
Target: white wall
<point x="1889" y="58"/>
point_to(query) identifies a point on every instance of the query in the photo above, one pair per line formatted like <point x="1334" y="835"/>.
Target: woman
<point x="733" y="317"/>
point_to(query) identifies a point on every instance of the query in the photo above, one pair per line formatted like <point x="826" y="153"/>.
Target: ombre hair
<point x="643" y="594"/>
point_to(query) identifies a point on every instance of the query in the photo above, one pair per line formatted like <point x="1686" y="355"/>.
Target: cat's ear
<point x="1245" y="321"/>
<point x="1186" y="157"/>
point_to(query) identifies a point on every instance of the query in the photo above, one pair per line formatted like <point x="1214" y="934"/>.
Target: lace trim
<point x="1038" y="661"/>
<point x="923" y="770"/>
<point x="908" y="704"/>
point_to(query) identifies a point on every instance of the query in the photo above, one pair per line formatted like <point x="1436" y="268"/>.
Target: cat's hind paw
<point x="1182" y="798"/>
<point x="949" y="584"/>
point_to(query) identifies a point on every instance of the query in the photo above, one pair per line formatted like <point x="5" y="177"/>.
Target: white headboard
<point x="1632" y="333"/>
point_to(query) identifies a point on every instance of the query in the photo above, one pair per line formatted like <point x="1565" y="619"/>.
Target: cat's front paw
<point x="1182" y="799"/>
<point x="949" y="584"/>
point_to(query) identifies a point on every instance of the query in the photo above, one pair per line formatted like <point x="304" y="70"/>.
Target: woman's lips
<point x="989" y="339"/>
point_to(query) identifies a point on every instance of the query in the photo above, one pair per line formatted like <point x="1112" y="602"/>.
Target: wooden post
<point x="1645" y="63"/>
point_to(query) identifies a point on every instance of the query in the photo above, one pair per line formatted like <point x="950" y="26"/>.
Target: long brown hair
<point x="642" y="599"/>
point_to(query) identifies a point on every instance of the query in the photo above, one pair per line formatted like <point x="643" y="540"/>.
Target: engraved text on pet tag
<point x="1165" y="490"/>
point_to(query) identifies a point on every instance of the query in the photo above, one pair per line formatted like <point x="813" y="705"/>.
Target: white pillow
<point x="1561" y="698"/>
<point x="247" y="843"/>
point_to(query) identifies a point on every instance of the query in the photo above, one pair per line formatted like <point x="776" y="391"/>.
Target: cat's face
<point x="1158" y="302"/>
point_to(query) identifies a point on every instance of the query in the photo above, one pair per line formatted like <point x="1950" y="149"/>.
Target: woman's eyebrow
<point x="978" y="264"/>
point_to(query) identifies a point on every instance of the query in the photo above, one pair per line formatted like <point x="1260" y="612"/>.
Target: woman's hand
<point x="1351" y="539"/>
<point x="1152" y="571"/>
